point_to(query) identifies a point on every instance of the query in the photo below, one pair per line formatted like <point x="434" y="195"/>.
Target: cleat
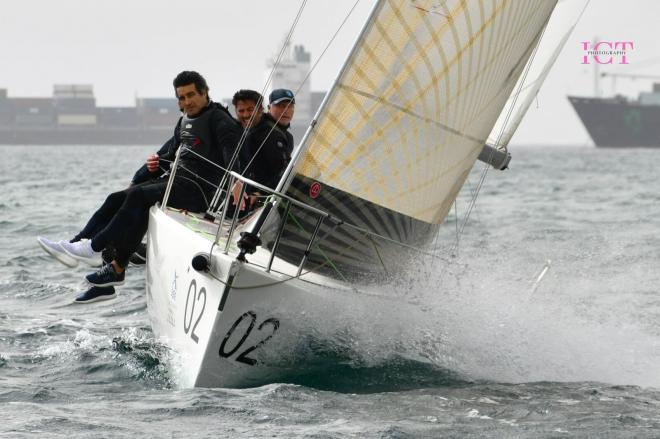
<point x="82" y="251"/>
<point x="106" y="277"/>
<point x="95" y="294"/>
<point x="54" y="249"/>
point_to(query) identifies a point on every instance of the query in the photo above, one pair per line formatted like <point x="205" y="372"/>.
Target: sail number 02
<point x="187" y="322"/>
<point x="243" y="355"/>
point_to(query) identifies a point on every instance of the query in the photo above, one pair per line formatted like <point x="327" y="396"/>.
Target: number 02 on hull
<point x="221" y="335"/>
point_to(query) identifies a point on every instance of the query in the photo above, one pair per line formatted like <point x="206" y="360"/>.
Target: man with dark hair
<point x="208" y="133"/>
<point x="249" y="107"/>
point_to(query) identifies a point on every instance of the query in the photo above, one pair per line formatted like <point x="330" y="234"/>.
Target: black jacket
<point x="212" y="134"/>
<point x="272" y="158"/>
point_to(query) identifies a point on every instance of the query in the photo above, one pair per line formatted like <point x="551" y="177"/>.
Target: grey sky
<point x="128" y="48"/>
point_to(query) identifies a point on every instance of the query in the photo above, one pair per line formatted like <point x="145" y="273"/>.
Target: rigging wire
<point x="285" y="45"/>
<point x="304" y="80"/>
<point x="502" y="130"/>
<point x="342" y="223"/>
<point x="457" y="234"/>
<point x="484" y="173"/>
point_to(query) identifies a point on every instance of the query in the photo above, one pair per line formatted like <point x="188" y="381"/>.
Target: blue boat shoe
<point x="106" y="277"/>
<point x="96" y="294"/>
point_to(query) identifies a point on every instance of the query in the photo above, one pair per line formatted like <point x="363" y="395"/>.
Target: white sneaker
<point x="82" y="251"/>
<point x="54" y="249"/>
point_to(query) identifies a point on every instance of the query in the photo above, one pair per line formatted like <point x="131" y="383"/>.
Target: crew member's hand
<point x="253" y="198"/>
<point x="152" y="162"/>
<point x="235" y="192"/>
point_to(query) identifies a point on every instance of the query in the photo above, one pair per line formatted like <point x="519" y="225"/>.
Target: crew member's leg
<point x="131" y="241"/>
<point x="184" y="195"/>
<point x="102" y="216"/>
<point x="130" y="223"/>
<point x="132" y="213"/>
<point x="96" y="223"/>
<point x="135" y="206"/>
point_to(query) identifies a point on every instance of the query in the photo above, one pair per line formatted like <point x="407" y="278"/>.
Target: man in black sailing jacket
<point x="209" y="134"/>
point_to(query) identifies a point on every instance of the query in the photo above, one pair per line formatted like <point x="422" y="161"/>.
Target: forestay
<point x="407" y="117"/>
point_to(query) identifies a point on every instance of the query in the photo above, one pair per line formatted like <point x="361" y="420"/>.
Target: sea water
<point x="540" y="319"/>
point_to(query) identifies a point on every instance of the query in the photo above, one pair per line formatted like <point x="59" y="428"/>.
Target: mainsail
<point x="404" y="123"/>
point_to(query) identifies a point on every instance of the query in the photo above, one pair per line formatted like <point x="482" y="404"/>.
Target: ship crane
<point x="627" y="76"/>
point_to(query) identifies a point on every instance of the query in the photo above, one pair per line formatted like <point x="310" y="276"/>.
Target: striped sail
<point x="401" y="129"/>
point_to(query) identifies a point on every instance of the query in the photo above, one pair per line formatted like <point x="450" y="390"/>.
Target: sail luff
<point x="520" y="66"/>
<point x="527" y="101"/>
<point x="525" y="55"/>
<point x="554" y="38"/>
<point x="531" y="95"/>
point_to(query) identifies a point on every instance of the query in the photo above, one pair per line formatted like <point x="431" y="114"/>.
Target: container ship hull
<point x="619" y="123"/>
<point x="84" y="136"/>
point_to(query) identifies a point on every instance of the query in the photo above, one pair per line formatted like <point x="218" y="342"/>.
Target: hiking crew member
<point x="207" y="129"/>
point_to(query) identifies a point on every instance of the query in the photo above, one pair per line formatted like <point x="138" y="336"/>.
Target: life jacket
<point x="199" y="134"/>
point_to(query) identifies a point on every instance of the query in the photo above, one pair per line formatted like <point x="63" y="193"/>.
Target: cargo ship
<point x="621" y="122"/>
<point x="71" y="117"/>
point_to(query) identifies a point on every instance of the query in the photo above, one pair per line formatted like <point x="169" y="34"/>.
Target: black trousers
<point x="123" y="218"/>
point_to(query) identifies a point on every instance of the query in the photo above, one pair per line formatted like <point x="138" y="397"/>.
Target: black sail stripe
<point x="337" y="242"/>
<point x="344" y="239"/>
<point x="345" y="249"/>
<point x="342" y="205"/>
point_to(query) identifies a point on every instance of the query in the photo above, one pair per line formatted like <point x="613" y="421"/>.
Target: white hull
<point x="225" y="337"/>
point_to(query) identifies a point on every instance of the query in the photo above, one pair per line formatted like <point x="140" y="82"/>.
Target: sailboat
<point x="367" y="188"/>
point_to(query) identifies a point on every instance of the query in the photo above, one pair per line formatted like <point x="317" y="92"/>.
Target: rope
<point x="378" y="254"/>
